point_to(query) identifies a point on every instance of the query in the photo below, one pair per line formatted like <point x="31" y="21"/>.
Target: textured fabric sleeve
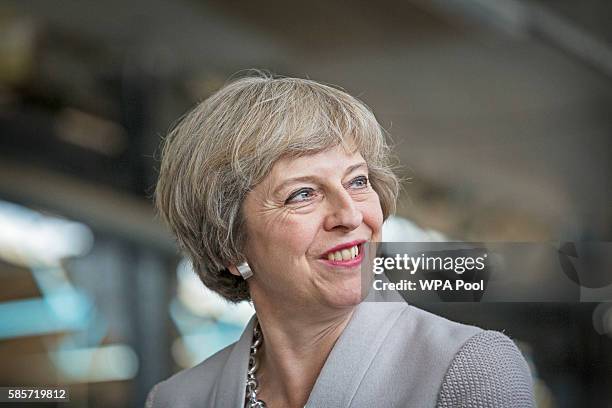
<point x="488" y="371"/>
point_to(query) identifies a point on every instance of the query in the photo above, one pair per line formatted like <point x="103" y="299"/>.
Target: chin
<point x="347" y="295"/>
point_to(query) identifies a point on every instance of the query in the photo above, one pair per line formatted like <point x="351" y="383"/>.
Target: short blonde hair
<point x="228" y="144"/>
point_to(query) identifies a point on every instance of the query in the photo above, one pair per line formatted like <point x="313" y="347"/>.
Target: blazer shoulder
<point x="189" y="387"/>
<point x="413" y="358"/>
<point x="439" y="332"/>
<point x="488" y="371"/>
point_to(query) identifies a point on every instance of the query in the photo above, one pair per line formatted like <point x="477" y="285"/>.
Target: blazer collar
<point x="231" y="386"/>
<point x="353" y="353"/>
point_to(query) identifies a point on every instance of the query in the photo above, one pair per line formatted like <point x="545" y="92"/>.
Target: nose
<point x="342" y="212"/>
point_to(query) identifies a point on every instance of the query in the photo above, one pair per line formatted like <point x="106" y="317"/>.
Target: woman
<point x="272" y="187"/>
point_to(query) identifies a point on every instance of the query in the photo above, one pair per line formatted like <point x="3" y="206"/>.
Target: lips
<point x="343" y="253"/>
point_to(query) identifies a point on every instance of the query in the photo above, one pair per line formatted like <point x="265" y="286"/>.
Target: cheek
<point x="294" y="237"/>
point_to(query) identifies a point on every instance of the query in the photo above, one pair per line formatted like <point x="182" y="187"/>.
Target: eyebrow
<point x="349" y="170"/>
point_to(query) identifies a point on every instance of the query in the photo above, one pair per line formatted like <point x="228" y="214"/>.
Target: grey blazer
<point x="389" y="355"/>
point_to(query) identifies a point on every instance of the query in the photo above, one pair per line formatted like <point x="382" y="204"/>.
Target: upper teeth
<point x="344" y="255"/>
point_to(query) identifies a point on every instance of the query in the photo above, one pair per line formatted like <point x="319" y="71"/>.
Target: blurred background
<point x="501" y="117"/>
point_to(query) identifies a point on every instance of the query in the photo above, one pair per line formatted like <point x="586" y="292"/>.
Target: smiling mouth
<point x="345" y="254"/>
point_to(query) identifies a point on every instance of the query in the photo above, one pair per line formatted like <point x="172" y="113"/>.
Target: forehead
<point x="328" y="161"/>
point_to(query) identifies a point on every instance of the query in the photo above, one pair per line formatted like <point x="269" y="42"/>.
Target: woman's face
<point x="306" y="225"/>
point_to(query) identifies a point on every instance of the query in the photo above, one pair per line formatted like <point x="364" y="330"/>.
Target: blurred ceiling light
<point x="28" y="237"/>
<point x="34" y="317"/>
<point x="201" y="301"/>
<point x="105" y="363"/>
<point x="181" y="354"/>
<point x="398" y="229"/>
<point x="192" y="349"/>
<point x="91" y="132"/>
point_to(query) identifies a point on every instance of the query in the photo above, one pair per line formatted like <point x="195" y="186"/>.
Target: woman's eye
<point x="301" y="195"/>
<point x="359" y="182"/>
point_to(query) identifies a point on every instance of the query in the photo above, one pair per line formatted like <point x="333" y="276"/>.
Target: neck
<point x="296" y="344"/>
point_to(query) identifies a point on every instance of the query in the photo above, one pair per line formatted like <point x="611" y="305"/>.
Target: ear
<point x="243" y="270"/>
<point x="233" y="270"/>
